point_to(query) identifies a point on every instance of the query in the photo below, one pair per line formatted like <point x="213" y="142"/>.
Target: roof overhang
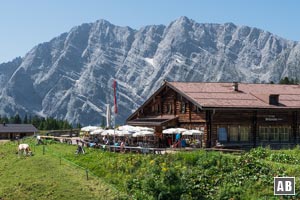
<point x="151" y="121"/>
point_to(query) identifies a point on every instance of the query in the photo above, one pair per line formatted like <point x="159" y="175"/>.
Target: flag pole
<point x="115" y="108"/>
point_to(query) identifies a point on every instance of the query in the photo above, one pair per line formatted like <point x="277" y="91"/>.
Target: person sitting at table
<point x="183" y="143"/>
<point x="122" y="146"/>
<point x="187" y="141"/>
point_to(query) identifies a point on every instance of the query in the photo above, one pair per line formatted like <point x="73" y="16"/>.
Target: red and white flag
<point x="115" y="97"/>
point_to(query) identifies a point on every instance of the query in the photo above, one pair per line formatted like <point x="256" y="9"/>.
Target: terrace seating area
<point x="139" y="139"/>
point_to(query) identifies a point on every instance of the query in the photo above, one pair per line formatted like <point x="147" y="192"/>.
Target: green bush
<point x="259" y="152"/>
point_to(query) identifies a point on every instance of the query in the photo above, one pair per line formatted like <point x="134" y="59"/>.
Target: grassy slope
<point x="43" y="177"/>
<point x="224" y="175"/>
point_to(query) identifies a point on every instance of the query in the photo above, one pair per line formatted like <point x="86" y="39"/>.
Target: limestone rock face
<point x="71" y="76"/>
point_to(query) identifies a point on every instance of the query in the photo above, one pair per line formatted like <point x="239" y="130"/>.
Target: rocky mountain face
<point x="71" y="76"/>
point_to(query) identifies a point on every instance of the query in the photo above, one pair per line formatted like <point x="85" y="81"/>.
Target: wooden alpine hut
<point x="230" y="114"/>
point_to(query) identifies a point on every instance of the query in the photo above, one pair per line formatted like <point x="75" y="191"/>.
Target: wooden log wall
<point x="192" y="113"/>
<point x="232" y="117"/>
<point x="254" y="119"/>
<point x="170" y="103"/>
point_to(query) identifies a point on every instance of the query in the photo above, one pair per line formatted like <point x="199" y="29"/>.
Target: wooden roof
<point x="222" y="95"/>
<point x="17" y="128"/>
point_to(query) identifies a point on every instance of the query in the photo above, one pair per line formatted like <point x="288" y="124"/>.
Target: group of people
<point x="163" y="141"/>
<point x="120" y="143"/>
<point x="179" y="141"/>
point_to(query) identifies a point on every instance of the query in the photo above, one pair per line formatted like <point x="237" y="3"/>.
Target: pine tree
<point x="25" y="121"/>
<point x="39" y="122"/>
<point x="17" y="119"/>
<point x="5" y="120"/>
<point x="78" y="125"/>
<point x="285" y="80"/>
<point x="288" y="81"/>
<point x="41" y="126"/>
<point x="36" y="121"/>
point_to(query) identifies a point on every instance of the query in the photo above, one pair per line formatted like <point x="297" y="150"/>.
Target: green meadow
<point x="45" y="176"/>
<point x="56" y="172"/>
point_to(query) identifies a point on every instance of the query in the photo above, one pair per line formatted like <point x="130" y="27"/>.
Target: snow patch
<point x="150" y="61"/>
<point x="179" y="61"/>
<point x="41" y="113"/>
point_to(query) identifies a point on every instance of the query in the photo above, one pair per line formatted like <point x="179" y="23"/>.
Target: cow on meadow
<point x="25" y="149"/>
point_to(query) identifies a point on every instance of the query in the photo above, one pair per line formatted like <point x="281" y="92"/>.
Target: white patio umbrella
<point x="116" y="133"/>
<point x="89" y="128"/>
<point x="97" y="131"/>
<point x="128" y="128"/>
<point x="119" y="133"/>
<point x="174" y="130"/>
<point x="137" y="134"/>
<point x="127" y="133"/>
<point x="180" y="130"/>
<point x="108" y="132"/>
<point x="123" y="133"/>
<point x="146" y="129"/>
<point x="169" y="131"/>
<point x="146" y="133"/>
<point x="192" y="132"/>
<point x="143" y="133"/>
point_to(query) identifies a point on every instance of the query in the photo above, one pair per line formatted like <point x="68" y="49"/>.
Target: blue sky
<point x="24" y="24"/>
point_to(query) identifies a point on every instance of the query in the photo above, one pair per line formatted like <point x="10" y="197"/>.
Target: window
<point x="263" y="133"/>
<point x="194" y="108"/>
<point x="233" y="133"/>
<point x="157" y="109"/>
<point x="198" y="110"/>
<point x="152" y="108"/>
<point x="284" y="133"/>
<point x="183" y="106"/>
<point x="244" y="133"/>
<point x="273" y="134"/>
<point x="273" y="99"/>
<point x="169" y="108"/>
<point x="222" y="134"/>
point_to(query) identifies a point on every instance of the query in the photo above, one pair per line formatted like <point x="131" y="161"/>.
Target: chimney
<point x="235" y="86"/>
<point x="274" y="99"/>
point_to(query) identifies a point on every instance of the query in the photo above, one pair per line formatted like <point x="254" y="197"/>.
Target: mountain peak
<point x="230" y="24"/>
<point x="183" y="20"/>
<point x="70" y="76"/>
<point x="103" y="21"/>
